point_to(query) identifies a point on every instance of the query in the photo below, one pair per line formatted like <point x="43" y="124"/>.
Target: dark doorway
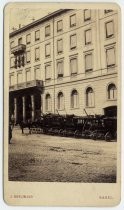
<point x="28" y="107"/>
<point x="111" y="111"/>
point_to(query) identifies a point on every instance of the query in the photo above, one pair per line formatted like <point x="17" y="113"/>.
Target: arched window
<point x="48" y="102"/>
<point x="74" y="99"/>
<point x="60" y="101"/>
<point x="89" y="97"/>
<point x="112" y="91"/>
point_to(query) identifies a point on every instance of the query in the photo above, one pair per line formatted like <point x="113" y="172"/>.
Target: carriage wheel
<point x="93" y="135"/>
<point x="108" y="136"/>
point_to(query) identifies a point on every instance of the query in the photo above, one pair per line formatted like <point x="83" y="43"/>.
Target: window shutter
<point x="47" y="31"/>
<point x="48" y="72"/>
<point x="19" y="78"/>
<point x="28" y="76"/>
<point x="73" y="20"/>
<point x="74" y="99"/>
<point x="12" y="80"/>
<point x="87" y="14"/>
<point x="60" y="101"/>
<point x="73" y="63"/>
<point x="28" y="56"/>
<point x="110" y="57"/>
<point x="73" y="41"/>
<point x="12" y="44"/>
<point x="48" y="103"/>
<point x="60" y="46"/>
<point x="37" y="35"/>
<point x="109" y="29"/>
<point x="19" y="41"/>
<point x="88" y="62"/>
<point x="47" y="50"/>
<point x="60" y="68"/>
<point x="59" y="25"/>
<point x="28" y="39"/>
<point x="37" y="73"/>
<point x="12" y="62"/>
<point x="37" y="54"/>
<point x="88" y="36"/>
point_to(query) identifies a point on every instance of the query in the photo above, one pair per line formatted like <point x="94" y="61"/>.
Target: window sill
<point x="60" y="52"/>
<point x="88" y="71"/>
<point x="48" y="80"/>
<point x="36" y="40"/>
<point x="60" y="77"/>
<point x="37" y="60"/>
<point x="74" y="108"/>
<point x="47" y="35"/>
<point x="61" y="109"/>
<point x="58" y="31"/>
<point x="73" y="75"/>
<point x="73" y="48"/>
<point x="87" y="19"/>
<point x="87" y="44"/>
<point x="48" y="56"/>
<point x="111" y="99"/>
<point x="73" y="25"/>
<point x="89" y="107"/>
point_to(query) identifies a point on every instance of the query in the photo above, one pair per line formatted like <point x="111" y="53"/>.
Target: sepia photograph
<point x="63" y="94"/>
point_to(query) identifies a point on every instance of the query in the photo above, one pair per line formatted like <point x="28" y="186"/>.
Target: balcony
<point x="26" y="85"/>
<point x="18" y="49"/>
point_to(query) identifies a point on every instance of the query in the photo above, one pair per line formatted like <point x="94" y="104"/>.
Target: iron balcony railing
<point x="18" y="49"/>
<point x="24" y="85"/>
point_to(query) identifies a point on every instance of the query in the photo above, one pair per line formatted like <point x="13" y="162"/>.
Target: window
<point x="20" y="41"/>
<point x="87" y="14"/>
<point x="109" y="29"/>
<point x="112" y="92"/>
<point x="73" y="41"/>
<point x="48" y="102"/>
<point x="37" y="35"/>
<point x="28" y="76"/>
<point x="37" y="73"/>
<point x="59" y="25"/>
<point x="73" y="66"/>
<point x="89" y="97"/>
<point x="12" y="62"/>
<point x="28" y="57"/>
<point x="110" y="57"/>
<point x="37" y="54"/>
<point x="107" y="11"/>
<point x="60" y="101"/>
<point x="72" y="20"/>
<point x="19" y="78"/>
<point x="59" y="46"/>
<point x="88" y="62"/>
<point x="47" y="31"/>
<point x="12" y="80"/>
<point x="88" y="37"/>
<point x="28" y="39"/>
<point x="74" y="99"/>
<point x="60" y="68"/>
<point x="47" y="50"/>
<point x="48" y="72"/>
<point x="12" y="44"/>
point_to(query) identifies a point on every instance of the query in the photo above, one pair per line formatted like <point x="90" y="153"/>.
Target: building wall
<point x="98" y="78"/>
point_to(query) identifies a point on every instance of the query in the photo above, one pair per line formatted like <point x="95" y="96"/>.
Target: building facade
<point x="66" y="63"/>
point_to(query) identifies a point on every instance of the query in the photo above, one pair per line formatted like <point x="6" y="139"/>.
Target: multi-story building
<point x="65" y="62"/>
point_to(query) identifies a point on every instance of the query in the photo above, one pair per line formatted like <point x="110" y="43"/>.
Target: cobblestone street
<point x="44" y="158"/>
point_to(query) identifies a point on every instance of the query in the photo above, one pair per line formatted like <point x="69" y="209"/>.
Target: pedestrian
<point x="10" y="133"/>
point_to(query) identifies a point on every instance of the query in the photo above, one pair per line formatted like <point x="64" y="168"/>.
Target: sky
<point x="26" y="16"/>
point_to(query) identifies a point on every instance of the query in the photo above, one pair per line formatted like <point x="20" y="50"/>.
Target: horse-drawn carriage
<point x="84" y="127"/>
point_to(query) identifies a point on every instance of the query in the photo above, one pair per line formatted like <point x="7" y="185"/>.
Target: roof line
<point x="37" y="22"/>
